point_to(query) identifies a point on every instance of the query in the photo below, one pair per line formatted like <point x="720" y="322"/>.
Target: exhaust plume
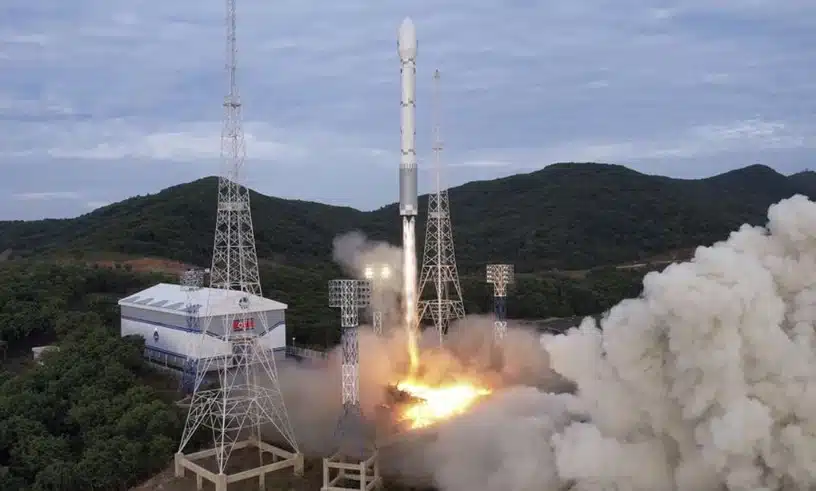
<point x="705" y="382"/>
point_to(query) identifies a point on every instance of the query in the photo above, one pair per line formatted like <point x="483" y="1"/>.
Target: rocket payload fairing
<point x="408" y="204"/>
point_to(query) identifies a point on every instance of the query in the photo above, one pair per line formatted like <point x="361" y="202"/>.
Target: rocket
<point x="408" y="203"/>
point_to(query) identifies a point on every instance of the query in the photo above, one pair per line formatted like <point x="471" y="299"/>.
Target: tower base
<point x="281" y="459"/>
<point x="341" y="473"/>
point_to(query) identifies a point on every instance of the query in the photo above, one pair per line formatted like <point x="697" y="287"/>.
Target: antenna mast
<point x="439" y="258"/>
<point x="235" y="260"/>
<point x="236" y="389"/>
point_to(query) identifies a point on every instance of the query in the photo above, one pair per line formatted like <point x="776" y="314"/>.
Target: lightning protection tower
<point x="247" y="395"/>
<point x="439" y="259"/>
<point x="500" y="275"/>
<point x="191" y="282"/>
<point x="354" y="460"/>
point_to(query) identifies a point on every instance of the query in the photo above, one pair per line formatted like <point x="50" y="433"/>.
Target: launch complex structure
<point x="237" y="394"/>
<point x="357" y="455"/>
<point x="247" y="396"/>
<point x="355" y="460"/>
<point x="439" y="258"/>
<point x="500" y="276"/>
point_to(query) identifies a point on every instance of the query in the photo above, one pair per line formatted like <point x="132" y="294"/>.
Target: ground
<point x="148" y="265"/>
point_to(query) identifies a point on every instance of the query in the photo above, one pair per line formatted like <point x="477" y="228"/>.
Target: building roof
<point x="166" y="297"/>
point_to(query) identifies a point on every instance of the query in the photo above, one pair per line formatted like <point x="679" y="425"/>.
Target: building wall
<point x="174" y="342"/>
<point x="274" y="318"/>
<point x="169" y="341"/>
<point x="275" y="336"/>
<point x="275" y="339"/>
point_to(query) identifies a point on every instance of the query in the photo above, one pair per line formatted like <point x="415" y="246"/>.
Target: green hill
<point x="565" y="228"/>
<point x="565" y="216"/>
<point x="568" y="228"/>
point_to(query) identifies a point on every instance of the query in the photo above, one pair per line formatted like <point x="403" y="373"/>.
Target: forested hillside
<point x="91" y="416"/>
<point x="564" y="227"/>
<point x="565" y="216"/>
<point x="85" y="419"/>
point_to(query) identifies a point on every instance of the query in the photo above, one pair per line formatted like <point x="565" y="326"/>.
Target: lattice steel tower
<point x="247" y="395"/>
<point x="439" y="259"/>
<point x="234" y="261"/>
<point x="377" y="274"/>
<point x="350" y="296"/>
<point x="191" y="282"/>
<point x="500" y="275"/>
<point x="355" y="458"/>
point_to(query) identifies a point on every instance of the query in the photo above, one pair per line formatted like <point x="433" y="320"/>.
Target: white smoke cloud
<point x="707" y="381"/>
<point x="357" y="255"/>
<point x="312" y="391"/>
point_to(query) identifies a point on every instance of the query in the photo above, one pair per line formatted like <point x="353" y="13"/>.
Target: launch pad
<point x="339" y="470"/>
<point x="281" y="459"/>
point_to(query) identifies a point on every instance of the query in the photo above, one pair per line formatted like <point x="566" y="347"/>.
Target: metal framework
<point x="439" y="259"/>
<point x="377" y="274"/>
<point x="234" y="261"/>
<point x="247" y="395"/>
<point x="352" y="438"/>
<point x="500" y="275"/>
<point x="190" y="282"/>
<point x="350" y="296"/>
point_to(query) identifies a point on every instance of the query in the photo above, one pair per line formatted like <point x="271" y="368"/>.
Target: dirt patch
<point x="147" y="265"/>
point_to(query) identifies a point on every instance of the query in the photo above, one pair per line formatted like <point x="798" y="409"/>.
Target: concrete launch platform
<point x="340" y="472"/>
<point x="281" y="459"/>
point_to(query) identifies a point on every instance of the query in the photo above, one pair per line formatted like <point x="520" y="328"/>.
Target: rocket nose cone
<point x="407" y="40"/>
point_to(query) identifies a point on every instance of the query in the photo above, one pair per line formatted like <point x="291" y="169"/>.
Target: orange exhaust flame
<point x="437" y="403"/>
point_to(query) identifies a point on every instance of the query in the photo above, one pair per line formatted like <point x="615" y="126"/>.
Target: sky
<point x="101" y="100"/>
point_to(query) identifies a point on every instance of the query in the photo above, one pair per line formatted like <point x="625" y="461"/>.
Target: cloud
<point x="47" y="195"/>
<point x="481" y="163"/>
<point x="683" y="87"/>
<point x="186" y="143"/>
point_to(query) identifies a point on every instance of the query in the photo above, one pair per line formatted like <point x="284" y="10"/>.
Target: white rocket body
<point x="408" y="204"/>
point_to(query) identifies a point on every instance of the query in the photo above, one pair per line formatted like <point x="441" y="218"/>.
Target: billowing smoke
<point x="707" y="381"/>
<point x="354" y="252"/>
<point x="312" y="391"/>
<point x="381" y="262"/>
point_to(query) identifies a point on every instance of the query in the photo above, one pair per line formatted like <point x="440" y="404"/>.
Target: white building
<point x="172" y="335"/>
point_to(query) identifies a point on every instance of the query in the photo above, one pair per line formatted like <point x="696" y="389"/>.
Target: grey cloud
<point x="523" y="83"/>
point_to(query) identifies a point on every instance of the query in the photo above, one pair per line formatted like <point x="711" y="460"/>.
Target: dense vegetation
<point x="87" y="420"/>
<point x="36" y="296"/>
<point x="562" y="227"/>
<point x="84" y="419"/>
<point x="565" y="216"/>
